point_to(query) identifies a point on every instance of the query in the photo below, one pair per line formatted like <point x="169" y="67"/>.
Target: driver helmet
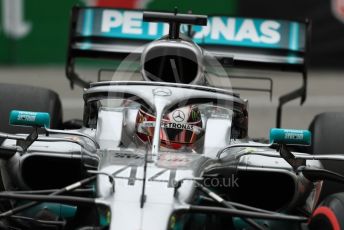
<point x="180" y="128"/>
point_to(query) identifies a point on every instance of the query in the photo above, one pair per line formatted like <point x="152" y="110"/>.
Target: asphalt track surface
<point x="325" y="93"/>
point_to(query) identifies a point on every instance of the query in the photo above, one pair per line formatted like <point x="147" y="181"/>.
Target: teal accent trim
<point x="86" y="45"/>
<point x="28" y="118"/>
<point x="67" y="211"/>
<point x="290" y="136"/>
<point x="103" y="221"/>
<point x="60" y="210"/>
<point x="94" y="189"/>
<point x="88" y="23"/>
<point x="240" y="224"/>
<point x="293" y="41"/>
<point x="294" y="36"/>
<point x="292" y="59"/>
<point x="87" y="29"/>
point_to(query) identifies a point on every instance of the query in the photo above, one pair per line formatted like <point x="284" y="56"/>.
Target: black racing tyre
<point x="329" y="215"/>
<point x="328" y="138"/>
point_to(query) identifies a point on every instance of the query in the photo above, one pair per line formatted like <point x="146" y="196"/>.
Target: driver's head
<point x="180" y="128"/>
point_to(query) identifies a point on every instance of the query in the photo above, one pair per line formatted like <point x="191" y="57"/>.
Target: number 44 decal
<point x="156" y="177"/>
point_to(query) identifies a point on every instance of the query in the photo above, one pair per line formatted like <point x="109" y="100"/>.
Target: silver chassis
<point x="162" y="172"/>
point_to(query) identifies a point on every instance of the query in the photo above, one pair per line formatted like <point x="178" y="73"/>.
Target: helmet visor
<point x="172" y="134"/>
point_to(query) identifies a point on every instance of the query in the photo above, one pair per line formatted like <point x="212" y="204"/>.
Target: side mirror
<point x="290" y="136"/>
<point x="27" y="118"/>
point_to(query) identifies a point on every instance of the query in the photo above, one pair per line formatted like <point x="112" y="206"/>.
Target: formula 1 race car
<point x="197" y="169"/>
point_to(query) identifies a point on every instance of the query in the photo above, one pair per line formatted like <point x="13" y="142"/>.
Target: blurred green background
<point x="35" y="32"/>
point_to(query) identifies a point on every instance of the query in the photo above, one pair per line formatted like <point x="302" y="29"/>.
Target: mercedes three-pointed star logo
<point x="178" y="115"/>
<point x="163" y="92"/>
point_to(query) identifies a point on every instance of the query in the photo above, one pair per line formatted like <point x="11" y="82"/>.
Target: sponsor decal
<point x="195" y="115"/>
<point x="171" y="125"/>
<point x="163" y="92"/>
<point x="171" y="159"/>
<point x="293" y="134"/>
<point x="26" y="116"/>
<point x="338" y="9"/>
<point x="220" y="30"/>
<point x="178" y="115"/>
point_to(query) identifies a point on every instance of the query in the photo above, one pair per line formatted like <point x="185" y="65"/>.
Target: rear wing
<point x="258" y="43"/>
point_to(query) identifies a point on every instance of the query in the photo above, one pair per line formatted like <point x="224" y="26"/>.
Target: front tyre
<point x="329" y="215"/>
